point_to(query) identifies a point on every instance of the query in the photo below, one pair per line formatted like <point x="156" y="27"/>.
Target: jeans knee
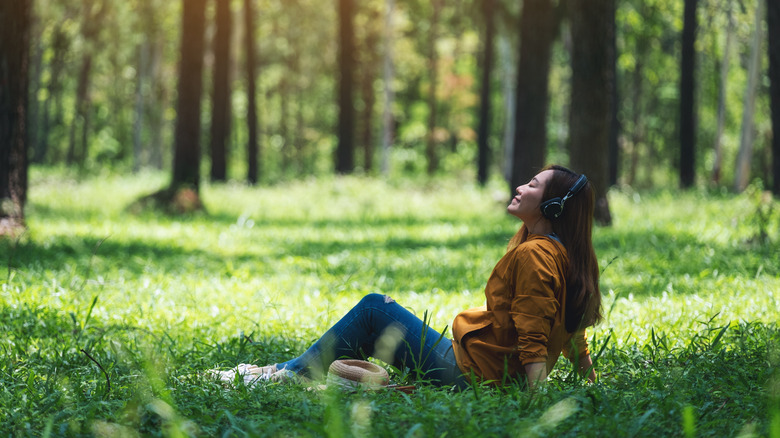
<point x="372" y="300"/>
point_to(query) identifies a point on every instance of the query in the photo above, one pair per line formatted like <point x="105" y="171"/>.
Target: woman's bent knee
<point x="375" y="300"/>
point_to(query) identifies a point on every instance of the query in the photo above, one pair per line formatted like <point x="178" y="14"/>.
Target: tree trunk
<point x="387" y="78"/>
<point x="509" y="92"/>
<point x="345" y="150"/>
<point x="35" y="39"/>
<point x="614" y="101"/>
<point x="773" y="31"/>
<point x="369" y="62"/>
<point x="253" y="152"/>
<point x="186" y="160"/>
<point x="59" y="46"/>
<point x="78" y="149"/>
<point x="724" y="77"/>
<point x="745" y="154"/>
<point x="14" y="59"/>
<point x="143" y="68"/>
<point x="637" y="135"/>
<point x="538" y="27"/>
<point x="590" y="97"/>
<point x="220" y="114"/>
<point x="159" y="101"/>
<point x="687" y="96"/>
<point x="430" y="139"/>
<point x="483" y="130"/>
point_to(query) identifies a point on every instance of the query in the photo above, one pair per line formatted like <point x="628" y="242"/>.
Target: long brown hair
<point x="574" y="229"/>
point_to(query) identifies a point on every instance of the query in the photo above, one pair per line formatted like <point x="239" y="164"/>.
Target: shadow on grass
<point x="650" y="258"/>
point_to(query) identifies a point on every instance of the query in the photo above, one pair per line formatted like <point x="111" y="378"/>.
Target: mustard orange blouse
<point x="523" y="318"/>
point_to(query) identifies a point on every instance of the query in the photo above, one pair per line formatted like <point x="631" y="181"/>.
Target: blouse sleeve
<point x="534" y="305"/>
<point x="578" y="346"/>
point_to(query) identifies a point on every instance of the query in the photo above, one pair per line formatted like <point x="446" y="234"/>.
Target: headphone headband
<point x="581" y="181"/>
<point x="553" y="208"/>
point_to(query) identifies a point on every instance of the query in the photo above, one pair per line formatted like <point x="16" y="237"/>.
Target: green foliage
<point x="134" y="54"/>
<point x="109" y="318"/>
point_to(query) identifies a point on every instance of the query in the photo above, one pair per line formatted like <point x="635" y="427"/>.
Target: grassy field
<point x="108" y="317"/>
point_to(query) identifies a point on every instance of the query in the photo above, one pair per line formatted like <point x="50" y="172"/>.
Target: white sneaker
<point x="252" y="374"/>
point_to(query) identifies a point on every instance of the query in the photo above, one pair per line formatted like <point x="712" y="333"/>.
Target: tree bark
<point x="140" y="87"/>
<point x="687" y="96"/>
<point x="614" y="101"/>
<point x="369" y="63"/>
<point x="745" y="154"/>
<point x="35" y="69"/>
<point x="773" y="34"/>
<point x="59" y="46"/>
<point x="253" y="151"/>
<point x="483" y="130"/>
<point x="186" y="161"/>
<point x="159" y="99"/>
<point x="430" y="140"/>
<point x="220" y="113"/>
<point x="590" y="97"/>
<point x="387" y="78"/>
<point x="14" y="60"/>
<point x="345" y="150"/>
<point x="538" y="27"/>
<point x="724" y="76"/>
<point x="78" y="146"/>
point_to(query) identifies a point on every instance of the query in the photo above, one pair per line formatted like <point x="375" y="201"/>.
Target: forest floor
<point x="109" y="318"/>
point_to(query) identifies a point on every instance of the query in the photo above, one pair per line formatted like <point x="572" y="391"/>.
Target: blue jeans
<point x="381" y="328"/>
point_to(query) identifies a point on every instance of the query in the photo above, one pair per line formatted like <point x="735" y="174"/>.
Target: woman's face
<point x="529" y="196"/>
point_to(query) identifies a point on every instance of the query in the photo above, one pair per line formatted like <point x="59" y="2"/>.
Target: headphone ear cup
<point x="552" y="208"/>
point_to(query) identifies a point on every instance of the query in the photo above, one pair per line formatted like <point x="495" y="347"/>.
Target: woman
<point x="539" y="299"/>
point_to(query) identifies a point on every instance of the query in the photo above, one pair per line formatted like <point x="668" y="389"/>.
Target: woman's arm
<point x="536" y="372"/>
<point x="586" y="368"/>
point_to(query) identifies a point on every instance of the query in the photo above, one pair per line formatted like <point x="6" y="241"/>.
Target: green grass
<point x="108" y="317"/>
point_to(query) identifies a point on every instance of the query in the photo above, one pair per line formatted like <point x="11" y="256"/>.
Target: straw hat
<point x="350" y="374"/>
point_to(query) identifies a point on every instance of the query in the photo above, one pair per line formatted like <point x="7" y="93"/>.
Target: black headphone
<point x="553" y="208"/>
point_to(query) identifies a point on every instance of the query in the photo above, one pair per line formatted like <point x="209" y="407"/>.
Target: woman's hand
<point x="586" y="368"/>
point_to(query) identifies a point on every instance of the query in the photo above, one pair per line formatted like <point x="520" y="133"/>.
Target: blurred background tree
<point x="105" y="89"/>
<point x="15" y="21"/>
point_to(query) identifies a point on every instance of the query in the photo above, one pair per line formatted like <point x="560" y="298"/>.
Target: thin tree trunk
<point x="773" y="31"/>
<point x="186" y="160"/>
<point x="483" y="131"/>
<point x="687" y="96"/>
<point x="345" y="150"/>
<point x="614" y="101"/>
<point x="159" y="102"/>
<point x="59" y="45"/>
<point x="538" y="27"/>
<point x="369" y="62"/>
<point x="143" y="67"/>
<point x="302" y="158"/>
<point x="590" y="97"/>
<point x="220" y="114"/>
<point x="637" y="135"/>
<point x="284" y="131"/>
<point x="509" y="92"/>
<point x="745" y="154"/>
<point x="430" y="142"/>
<point x="724" y="77"/>
<point x="77" y="149"/>
<point x="387" y="78"/>
<point x="253" y="152"/>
